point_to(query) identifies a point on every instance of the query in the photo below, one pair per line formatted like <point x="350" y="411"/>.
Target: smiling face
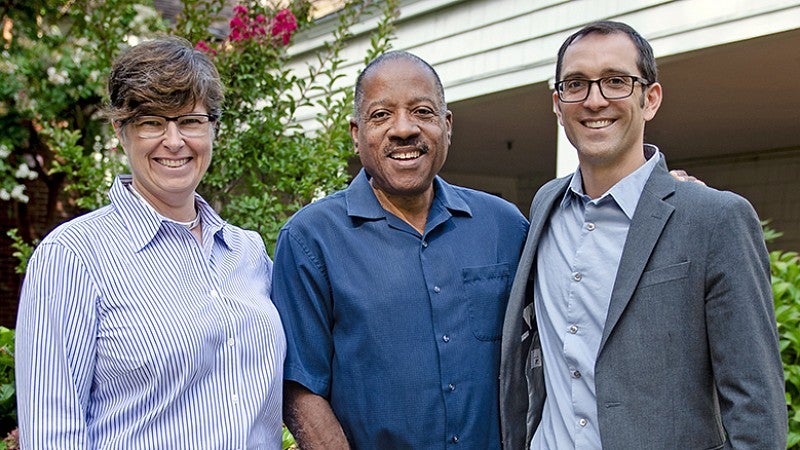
<point x="166" y="170"/>
<point x="402" y="130"/>
<point x="165" y="76"/>
<point x="607" y="133"/>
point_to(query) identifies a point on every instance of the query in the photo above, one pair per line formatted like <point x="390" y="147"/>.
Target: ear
<point x="448" y="118"/>
<point x="118" y="130"/>
<point x="652" y="100"/>
<point x="557" y="108"/>
<point x="354" y="134"/>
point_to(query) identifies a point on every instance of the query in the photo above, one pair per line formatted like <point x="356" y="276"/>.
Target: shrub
<point x="55" y="60"/>
<point x="786" y="292"/>
<point x="8" y="398"/>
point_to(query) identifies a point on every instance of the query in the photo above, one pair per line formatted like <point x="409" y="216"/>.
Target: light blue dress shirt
<point x="576" y="265"/>
<point x="132" y="335"/>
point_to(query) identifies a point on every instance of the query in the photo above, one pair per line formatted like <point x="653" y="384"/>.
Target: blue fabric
<point x="576" y="265"/>
<point x="400" y="331"/>
<point x="131" y="335"/>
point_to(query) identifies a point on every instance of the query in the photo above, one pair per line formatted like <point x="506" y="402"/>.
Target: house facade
<point x="729" y="70"/>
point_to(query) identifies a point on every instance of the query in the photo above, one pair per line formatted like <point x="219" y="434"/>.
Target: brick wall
<point x="10" y="281"/>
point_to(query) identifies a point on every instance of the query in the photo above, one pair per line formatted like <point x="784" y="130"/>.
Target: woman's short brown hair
<point x="162" y="76"/>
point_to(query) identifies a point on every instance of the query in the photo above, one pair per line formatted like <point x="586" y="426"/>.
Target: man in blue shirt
<point x="392" y="292"/>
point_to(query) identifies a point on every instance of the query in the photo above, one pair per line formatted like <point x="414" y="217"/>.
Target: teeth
<point x="406" y="155"/>
<point x="597" y="123"/>
<point x="172" y="162"/>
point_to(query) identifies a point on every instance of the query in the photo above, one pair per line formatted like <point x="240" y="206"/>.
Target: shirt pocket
<point x="487" y="289"/>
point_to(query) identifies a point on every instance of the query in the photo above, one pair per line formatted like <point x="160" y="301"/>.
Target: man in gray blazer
<point x="641" y="314"/>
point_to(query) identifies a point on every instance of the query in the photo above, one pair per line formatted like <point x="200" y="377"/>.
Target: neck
<point x="599" y="178"/>
<point x="413" y="209"/>
<point x="186" y="213"/>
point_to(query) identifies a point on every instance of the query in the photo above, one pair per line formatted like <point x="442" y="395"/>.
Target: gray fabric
<point x="689" y="356"/>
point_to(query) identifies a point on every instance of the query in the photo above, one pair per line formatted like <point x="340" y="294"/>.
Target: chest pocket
<point x="665" y="274"/>
<point x="486" y="289"/>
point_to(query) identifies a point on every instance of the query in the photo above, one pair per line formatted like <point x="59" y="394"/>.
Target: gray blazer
<point x="689" y="355"/>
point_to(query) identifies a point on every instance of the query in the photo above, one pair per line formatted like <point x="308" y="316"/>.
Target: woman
<point x="148" y="323"/>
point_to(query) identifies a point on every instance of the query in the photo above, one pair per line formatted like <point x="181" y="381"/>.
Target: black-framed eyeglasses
<point x="155" y="126"/>
<point x="617" y="87"/>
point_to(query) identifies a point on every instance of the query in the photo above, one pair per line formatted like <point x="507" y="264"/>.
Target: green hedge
<point x="8" y="399"/>
<point x="786" y="291"/>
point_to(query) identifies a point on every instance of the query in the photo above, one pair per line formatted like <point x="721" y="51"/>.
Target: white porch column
<point x="566" y="155"/>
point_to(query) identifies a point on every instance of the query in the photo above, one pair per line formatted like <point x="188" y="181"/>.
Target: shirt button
<point x="424" y="244"/>
<point x="577" y="276"/>
<point x="446" y="338"/>
<point x="235" y="399"/>
<point x="230" y="342"/>
<point x="583" y="422"/>
<point x="455" y="439"/>
<point x="437" y="289"/>
<point x="590" y="226"/>
<point x="451" y="386"/>
<point x="573" y="329"/>
<point x="214" y="293"/>
<point x="576" y="374"/>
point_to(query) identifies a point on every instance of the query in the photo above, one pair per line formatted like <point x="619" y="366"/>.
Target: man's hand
<point x="681" y="175"/>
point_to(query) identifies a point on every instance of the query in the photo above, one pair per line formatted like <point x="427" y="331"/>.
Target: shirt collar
<point x="362" y="202"/>
<point x="627" y="190"/>
<point x="144" y="223"/>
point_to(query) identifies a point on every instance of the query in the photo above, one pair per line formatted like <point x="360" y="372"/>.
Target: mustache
<point x="406" y="143"/>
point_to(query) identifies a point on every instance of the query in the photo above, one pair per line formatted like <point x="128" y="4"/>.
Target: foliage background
<point x="785" y="268"/>
<point x="55" y="59"/>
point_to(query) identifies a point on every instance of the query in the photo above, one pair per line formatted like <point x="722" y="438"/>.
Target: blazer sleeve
<point x="742" y="330"/>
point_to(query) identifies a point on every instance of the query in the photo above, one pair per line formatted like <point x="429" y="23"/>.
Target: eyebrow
<point x="385" y="102"/>
<point x="604" y="73"/>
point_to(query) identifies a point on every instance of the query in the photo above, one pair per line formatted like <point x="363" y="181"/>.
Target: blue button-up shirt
<point x="399" y="330"/>
<point x="131" y="335"/>
<point x="576" y="265"/>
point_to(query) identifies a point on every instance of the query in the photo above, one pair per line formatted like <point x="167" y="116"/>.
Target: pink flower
<point x="12" y="439"/>
<point x="237" y="23"/>
<point x="240" y="10"/>
<point x="243" y="27"/>
<point x="283" y="25"/>
<point x="238" y="29"/>
<point x="204" y="47"/>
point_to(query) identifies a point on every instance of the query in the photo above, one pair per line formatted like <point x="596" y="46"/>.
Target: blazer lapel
<point x="541" y="214"/>
<point x="517" y="343"/>
<point x="522" y="288"/>
<point x="651" y="215"/>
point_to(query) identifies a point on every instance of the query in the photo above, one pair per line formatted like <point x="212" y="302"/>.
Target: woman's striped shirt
<point x="131" y="334"/>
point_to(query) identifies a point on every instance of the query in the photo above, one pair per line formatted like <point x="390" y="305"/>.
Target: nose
<point x="172" y="136"/>
<point x="595" y="98"/>
<point x="404" y="126"/>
